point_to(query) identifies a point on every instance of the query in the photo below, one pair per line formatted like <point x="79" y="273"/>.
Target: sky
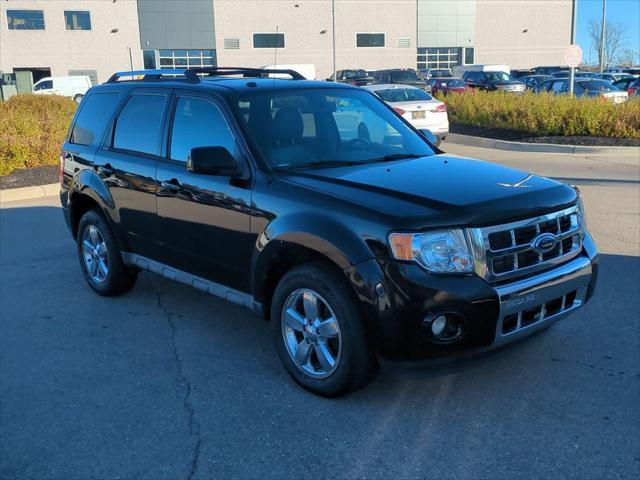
<point x="625" y="12"/>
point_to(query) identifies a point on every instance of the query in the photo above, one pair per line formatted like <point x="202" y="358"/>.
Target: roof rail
<point x="148" y="74"/>
<point x="246" y="72"/>
<point x="194" y="74"/>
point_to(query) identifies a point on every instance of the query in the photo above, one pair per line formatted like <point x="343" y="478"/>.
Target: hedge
<point x="545" y="114"/>
<point x="32" y="130"/>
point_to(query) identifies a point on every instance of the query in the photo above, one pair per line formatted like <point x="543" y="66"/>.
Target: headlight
<point x="582" y="219"/>
<point x="441" y="251"/>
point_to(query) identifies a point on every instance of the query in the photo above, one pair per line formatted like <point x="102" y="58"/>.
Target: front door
<point x="204" y="220"/>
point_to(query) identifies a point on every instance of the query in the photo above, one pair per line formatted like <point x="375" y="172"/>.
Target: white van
<point x="307" y="70"/>
<point x="459" y="71"/>
<point x="74" y="86"/>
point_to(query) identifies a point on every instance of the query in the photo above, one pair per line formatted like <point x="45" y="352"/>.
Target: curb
<point x="27" y="193"/>
<point x="471" y="141"/>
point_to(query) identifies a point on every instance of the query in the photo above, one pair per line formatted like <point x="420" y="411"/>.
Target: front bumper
<point x="494" y="314"/>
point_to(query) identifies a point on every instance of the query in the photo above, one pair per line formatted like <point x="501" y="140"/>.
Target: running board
<point x="212" y="288"/>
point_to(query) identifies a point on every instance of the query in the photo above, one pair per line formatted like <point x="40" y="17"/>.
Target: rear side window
<point x="95" y="114"/>
<point x="199" y="123"/>
<point x="139" y="124"/>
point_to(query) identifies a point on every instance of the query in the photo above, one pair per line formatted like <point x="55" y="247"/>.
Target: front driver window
<point x="199" y="123"/>
<point x="46" y="85"/>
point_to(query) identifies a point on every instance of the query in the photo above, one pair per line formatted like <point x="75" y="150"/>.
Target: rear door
<point x="128" y="162"/>
<point x="204" y="220"/>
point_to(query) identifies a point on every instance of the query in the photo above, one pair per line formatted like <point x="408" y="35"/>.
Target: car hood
<point x="440" y="190"/>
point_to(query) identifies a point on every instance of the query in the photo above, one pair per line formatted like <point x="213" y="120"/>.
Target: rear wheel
<point x="319" y="333"/>
<point x="100" y="257"/>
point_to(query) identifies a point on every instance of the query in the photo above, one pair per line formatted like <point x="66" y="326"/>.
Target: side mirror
<point x="212" y="161"/>
<point x="428" y="134"/>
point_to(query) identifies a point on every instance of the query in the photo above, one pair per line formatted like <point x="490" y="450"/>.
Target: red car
<point x="448" y="85"/>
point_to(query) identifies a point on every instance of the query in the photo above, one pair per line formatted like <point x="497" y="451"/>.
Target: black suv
<point x="402" y="76"/>
<point x="319" y="208"/>
<point x="493" y="81"/>
<point x="357" y="77"/>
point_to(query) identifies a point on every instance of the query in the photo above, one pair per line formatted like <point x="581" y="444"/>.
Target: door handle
<point x="172" y="185"/>
<point x="105" y="170"/>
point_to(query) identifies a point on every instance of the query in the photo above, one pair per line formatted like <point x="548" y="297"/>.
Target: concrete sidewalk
<point x="26" y="193"/>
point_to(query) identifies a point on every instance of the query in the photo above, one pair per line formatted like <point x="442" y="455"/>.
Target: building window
<point x="268" y="40"/>
<point x="149" y="59"/>
<point x="468" y="56"/>
<point x="439" y="57"/>
<point x="77" y="20"/>
<point x="186" y="58"/>
<point x="367" y="40"/>
<point x="25" y="19"/>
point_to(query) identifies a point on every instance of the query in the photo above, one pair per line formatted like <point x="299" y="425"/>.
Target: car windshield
<point x="597" y="85"/>
<point x="307" y="128"/>
<point x="441" y="73"/>
<point x="404" y="95"/>
<point x="405" y="76"/>
<point x="351" y="74"/>
<point x="497" y="76"/>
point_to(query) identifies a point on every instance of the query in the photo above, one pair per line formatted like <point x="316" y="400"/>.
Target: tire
<point x="105" y="273"/>
<point x="354" y="364"/>
<point x="78" y="98"/>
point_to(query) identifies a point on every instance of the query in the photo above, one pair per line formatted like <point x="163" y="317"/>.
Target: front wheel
<point x="319" y="332"/>
<point x="100" y="257"/>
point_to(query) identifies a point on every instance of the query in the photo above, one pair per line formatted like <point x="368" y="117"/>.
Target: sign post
<point x="573" y="58"/>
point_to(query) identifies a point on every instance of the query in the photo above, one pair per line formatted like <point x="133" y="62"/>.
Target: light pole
<point x="572" y="71"/>
<point x="333" y="34"/>
<point x="604" y="22"/>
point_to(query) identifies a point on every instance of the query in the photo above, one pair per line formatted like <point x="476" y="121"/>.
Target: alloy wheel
<point x="95" y="255"/>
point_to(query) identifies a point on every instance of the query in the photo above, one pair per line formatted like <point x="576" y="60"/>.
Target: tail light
<point x="399" y="111"/>
<point x="61" y="172"/>
<point x="440" y="108"/>
<point x="632" y="90"/>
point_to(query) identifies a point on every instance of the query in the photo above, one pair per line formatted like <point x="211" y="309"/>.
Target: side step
<point x="212" y="288"/>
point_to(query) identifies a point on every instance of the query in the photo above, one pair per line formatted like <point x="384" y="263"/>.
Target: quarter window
<point x="268" y="40"/>
<point x="199" y="123"/>
<point x="95" y="113"/>
<point x="139" y="124"/>
<point x="77" y="20"/>
<point x="367" y="40"/>
<point x="25" y="19"/>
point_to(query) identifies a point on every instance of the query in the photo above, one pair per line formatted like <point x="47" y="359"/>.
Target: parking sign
<point x="573" y="56"/>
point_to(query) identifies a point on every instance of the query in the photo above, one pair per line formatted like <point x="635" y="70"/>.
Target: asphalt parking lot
<point x="167" y="382"/>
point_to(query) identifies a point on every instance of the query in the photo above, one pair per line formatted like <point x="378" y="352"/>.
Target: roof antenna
<point x="275" y="57"/>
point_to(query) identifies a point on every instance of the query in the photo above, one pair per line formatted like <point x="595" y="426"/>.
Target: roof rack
<point x="195" y="74"/>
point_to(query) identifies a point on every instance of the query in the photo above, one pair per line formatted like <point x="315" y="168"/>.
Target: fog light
<point x="438" y="324"/>
<point x="445" y="327"/>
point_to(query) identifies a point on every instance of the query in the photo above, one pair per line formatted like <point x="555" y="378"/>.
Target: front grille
<point x="509" y="249"/>
<point x="525" y="318"/>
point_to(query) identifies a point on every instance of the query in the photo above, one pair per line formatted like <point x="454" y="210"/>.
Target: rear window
<point x="94" y="115"/>
<point x="405" y="76"/>
<point x="597" y="85"/>
<point x="139" y="123"/>
<point x="403" y="95"/>
<point x="352" y="74"/>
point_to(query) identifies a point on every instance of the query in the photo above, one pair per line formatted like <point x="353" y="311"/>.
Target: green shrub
<point x="32" y="130"/>
<point x="545" y="114"/>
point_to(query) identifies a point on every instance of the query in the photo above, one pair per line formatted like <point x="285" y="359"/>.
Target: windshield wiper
<point x="393" y="156"/>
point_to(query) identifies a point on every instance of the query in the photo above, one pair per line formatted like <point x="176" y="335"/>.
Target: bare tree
<point x="629" y="57"/>
<point x="614" y="40"/>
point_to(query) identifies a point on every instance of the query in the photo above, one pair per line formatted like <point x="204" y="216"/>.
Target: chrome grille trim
<point x="484" y="254"/>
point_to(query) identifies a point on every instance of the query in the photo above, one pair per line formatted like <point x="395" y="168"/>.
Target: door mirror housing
<point x="428" y="134"/>
<point x="213" y="161"/>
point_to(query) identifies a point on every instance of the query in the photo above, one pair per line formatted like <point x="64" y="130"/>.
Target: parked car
<point x="548" y="70"/>
<point x="357" y="77"/>
<point x="416" y="106"/>
<point x="460" y="70"/>
<point x="74" y="86"/>
<point x="629" y="70"/>
<point x="403" y="76"/>
<point x="268" y="193"/>
<point x="440" y="73"/>
<point x="584" y="88"/>
<point x="447" y="85"/>
<point x="633" y="90"/>
<point x="493" y="81"/>
<point x="531" y="81"/>
<point x="613" y="77"/>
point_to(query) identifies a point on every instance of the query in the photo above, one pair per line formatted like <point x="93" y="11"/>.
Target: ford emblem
<point x="544" y="243"/>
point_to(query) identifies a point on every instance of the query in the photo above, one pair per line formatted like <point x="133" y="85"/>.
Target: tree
<point x="629" y="57"/>
<point x="614" y="40"/>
